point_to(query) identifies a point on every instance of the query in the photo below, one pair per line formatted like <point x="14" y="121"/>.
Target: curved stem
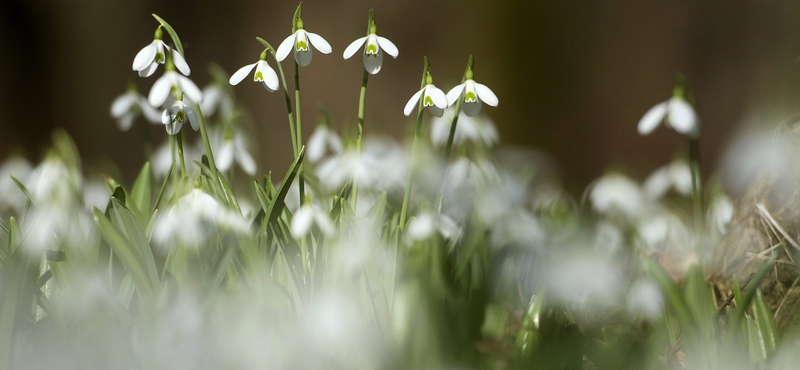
<point x="407" y="194"/>
<point x="299" y="132"/>
<point x="361" y="100"/>
<point x="697" y="194"/>
<point x="453" y="124"/>
<point x="295" y="149"/>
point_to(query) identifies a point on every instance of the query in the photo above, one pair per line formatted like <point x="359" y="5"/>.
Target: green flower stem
<point x="295" y="148"/>
<point x="299" y="132"/>
<point x="697" y="193"/>
<point x="448" y="148"/>
<point x="360" y="134"/>
<point x="417" y="129"/>
<point x="179" y="140"/>
<point x="206" y="141"/>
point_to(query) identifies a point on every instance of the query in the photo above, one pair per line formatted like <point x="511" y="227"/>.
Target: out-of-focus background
<point x="573" y="77"/>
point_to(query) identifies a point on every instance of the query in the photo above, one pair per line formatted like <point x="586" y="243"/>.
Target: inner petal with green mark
<point x="259" y="76"/>
<point x="470" y="97"/>
<point x="301" y="45"/>
<point x="179" y="117"/>
<point x="372" y="49"/>
<point x="159" y="58"/>
<point x="427" y="101"/>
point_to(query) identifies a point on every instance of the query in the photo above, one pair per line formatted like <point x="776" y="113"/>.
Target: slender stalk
<point x="448" y="148"/>
<point x="420" y="109"/>
<point x="206" y="141"/>
<point x="361" y="101"/>
<point x="295" y="148"/>
<point x="697" y="193"/>
<point x="299" y="132"/>
<point x="179" y="140"/>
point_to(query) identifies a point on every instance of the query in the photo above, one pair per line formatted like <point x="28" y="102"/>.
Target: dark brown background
<point x="573" y="77"/>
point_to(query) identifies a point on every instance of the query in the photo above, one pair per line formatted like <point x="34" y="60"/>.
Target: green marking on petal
<point x="372" y="49"/>
<point x="302" y="46"/>
<point x="470" y="97"/>
<point x="428" y="101"/>
<point x="159" y="58"/>
<point x="259" y="76"/>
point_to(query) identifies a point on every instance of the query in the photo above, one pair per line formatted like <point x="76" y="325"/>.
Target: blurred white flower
<point x="431" y="96"/>
<point x="95" y="194"/>
<point x="232" y="146"/>
<point x="321" y="139"/>
<point x="616" y="193"/>
<point x="300" y="42"/>
<point x="588" y="279"/>
<point x="760" y="154"/>
<point x="381" y="165"/>
<point x="472" y="95"/>
<point x="644" y="300"/>
<point x="306" y="217"/>
<point x="177" y="115"/>
<point x="130" y="105"/>
<point x="163" y="156"/>
<point x="608" y="237"/>
<point x="676" y="175"/>
<point x="264" y="74"/>
<point x="478" y="173"/>
<point x="194" y="218"/>
<point x="676" y="113"/>
<point x="373" y="51"/>
<point x="215" y="97"/>
<point x="148" y="59"/>
<point x="720" y="213"/>
<point x="163" y="86"/>
<point x="477" y="130"/>
<point x="424" y="225"/>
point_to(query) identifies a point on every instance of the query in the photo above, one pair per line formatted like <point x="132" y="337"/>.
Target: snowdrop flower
<point x="431" y="97"/>
<point x="373" y="51"/>
<point x="675" y="175"/>
<point x="128" y="106"/>
<point x="472" y="94"/>
<point x="424" y="225"/>
<point x="176" y="115"/>
<point x="300" y="42"/>
<point x="264" y="74"/>
<point x="306" y="216"/>
<point x="192" y="220"/>
<point x="233" y="148"/>
<point x="478" y="130"/>
<point x="675" y="112"/>
<point x="720" y="213"/>
<point x="616" y="193"/>
<point x="322" y="138"/>
<point x="644" y="300"/>
<point x="215" y="97"/>
<point x="148" y="59"/>
<point x="171" y="79"/>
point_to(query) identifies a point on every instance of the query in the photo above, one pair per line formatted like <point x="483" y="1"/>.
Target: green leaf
<point x="750" y="292"/>
<point x="755" y="346"/>
<point x="161" y="192"/>
<point x="277" y="205"/>
<point x="142" y="189"/>
<point x="172" y="34"/>
<point x="24" y="189"/>
<point x="227" y="193"/>
<point x="700" y="301"/>
<point x="377" y="210"/>
<point x="125" y="221"/>
<point x="674" y="298"/>
<point x="766" y="325"/>
<point x="263" y="198"/>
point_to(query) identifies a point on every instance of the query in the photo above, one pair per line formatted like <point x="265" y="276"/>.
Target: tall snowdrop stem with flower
<point x="289" y="111"/>
<point x="449" y="147"/>
<point x="371" y="29"/>
<point x="426" y="78"/>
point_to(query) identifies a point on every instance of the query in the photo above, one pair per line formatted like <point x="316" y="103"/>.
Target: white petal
<point x="414" y="101"/>
<point x="180" y="63"/>
<point x="245" y="160"/>
<point x="652" y="118"/>
<point x="325" y="224"/>
<point x="224" y="156"/>
<point x="192" y="119"/>
<point x="334" y="142"/>
<point x="436" y="111"/>
<point x="472" y="109"/>
<point x="147" y="72"/>
<point x="682" y="117"/>
<point x="145" y="57"/>
<point x="173" y="128"/>
<point x="388" y="46"/>
<point x="125" y="121"/>
<point x="160" y="91"/>
<point x="438" y="96"/>
<point x="212" y="95"/>
<point x="486" y="94"/>
<point x="241" y="74"/>
<point x="270" y="77"/>
<point x="353" y="47"/>
<point x="122" y="104"/>
<point x="166" y="116"/>
<point x="152" y="114"/>
<point x="285" y="47"/>
<point x="681" y="177"/>
<point x="315" y="149"/>
<point x="323" y="46"/>
<point x="373" y="62"/>
<point x="190" y="89"/>
<point x="658" y="183"/>
<point x="454" y="94"/>
<point x="301" y="221"/>
<point x="303" y="58"/>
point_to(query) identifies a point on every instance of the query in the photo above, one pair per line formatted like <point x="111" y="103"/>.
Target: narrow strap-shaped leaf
<point x="766" y="324"/>
<point x="24" y="189"/>
<point x="263" y="197"/>
<point x="750" y="292"/>
<point x="673" y="295"/>
<point x="125" y="221"/>
<point x="227" y="193"/>
<point x="161" y="191"/>
<point x="276" y="207"/>
<point x="142" y="190"/>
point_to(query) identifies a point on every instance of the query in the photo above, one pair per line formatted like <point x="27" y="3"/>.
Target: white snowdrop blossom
<point x="720" y="213"/>
<point x="381" y="165"/>
<point x="615" y="193"/>
<point x="177" y="115"/>
<point x="676" y="113"/>
<point x="644" y="300"/>
<point x="215" y="97"/>
<point x="194" y="218"/>
<point x="373" y="50"/>
<point x="478" y="130"/>
<point x="306" y="217"/>
<point x="431" y="96"/>
<point x="148" y="59"/>
<point x="233" y="148"/>
<point x="164" y="85"/>
<point x="321" y="139"/>
<point x="472" y="96"/>
<point x="424" y="225"/>
<point x="130" y="105"/>
<point x="676" y="175"/>
<point x="300" y="42"/>
<point x="264" y="74"/>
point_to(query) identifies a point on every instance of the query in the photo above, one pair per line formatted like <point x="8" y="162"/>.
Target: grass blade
<point x="276" y="207"/>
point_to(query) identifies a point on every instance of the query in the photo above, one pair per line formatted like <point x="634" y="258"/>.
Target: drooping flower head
<point x="431" y="97"/>
<point x="232" y="147"/>
<point x="264" y="74"/>
<point x="471" y="94"/>
<point x="170" y="81"/>
<point x="177" y="115"/>
<point x="675" y="112"/>
<point x="155" y="53"/>
<point x="300" y="41"/>
<point x="374" y="48"/>
<point x="128" y="106"/>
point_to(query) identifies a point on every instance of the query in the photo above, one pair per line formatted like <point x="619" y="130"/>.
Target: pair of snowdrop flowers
<point x="471" y="94"/>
